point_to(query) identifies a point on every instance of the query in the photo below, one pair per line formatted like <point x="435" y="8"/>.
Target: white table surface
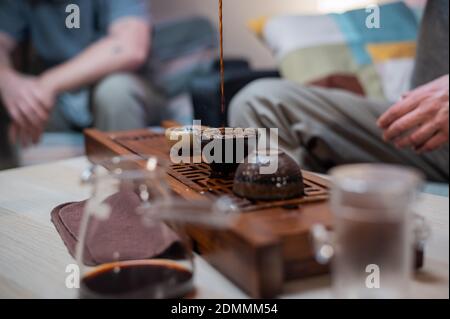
<point x="33" y="258"/>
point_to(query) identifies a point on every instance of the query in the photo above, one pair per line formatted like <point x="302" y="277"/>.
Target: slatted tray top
<point x="197" y="176"/>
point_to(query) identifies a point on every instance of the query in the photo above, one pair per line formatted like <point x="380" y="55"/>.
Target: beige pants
<point x="322" y="128"/>
<point x="121" y="101"/>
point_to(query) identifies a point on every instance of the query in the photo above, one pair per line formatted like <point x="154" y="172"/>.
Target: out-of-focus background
<point x="239" y="40"/>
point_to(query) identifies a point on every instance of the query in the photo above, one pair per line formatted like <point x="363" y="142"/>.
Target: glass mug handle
<point x="87" y="175"/>
<point x="322" y="244"/>
<point x="322" y="239"/>
<point x="421" y="230"/>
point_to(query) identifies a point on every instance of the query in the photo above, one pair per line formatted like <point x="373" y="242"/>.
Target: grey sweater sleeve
<point x="432" y="52"/>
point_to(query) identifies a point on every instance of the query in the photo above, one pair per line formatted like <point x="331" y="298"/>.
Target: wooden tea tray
<point x="270" y="244"/>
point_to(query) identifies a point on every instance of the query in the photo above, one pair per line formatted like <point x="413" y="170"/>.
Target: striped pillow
<point x="312" y="47"/>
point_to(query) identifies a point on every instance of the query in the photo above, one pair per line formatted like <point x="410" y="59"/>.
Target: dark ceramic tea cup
<point x="223" y="149"/>
<point x="284" y="182"/>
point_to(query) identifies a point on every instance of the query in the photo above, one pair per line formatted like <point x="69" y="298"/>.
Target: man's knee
<point x="243" y="104"/>
<point x="117" y="104"/>
<point x="109" y="95"/>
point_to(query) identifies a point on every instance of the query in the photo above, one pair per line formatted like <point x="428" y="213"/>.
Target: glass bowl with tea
<point x="123" y="250"/>
<point x="223" y="149"/>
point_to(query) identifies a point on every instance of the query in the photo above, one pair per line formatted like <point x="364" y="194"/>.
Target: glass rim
<point x="154" y="165"/>
<point x="375" y="178"/>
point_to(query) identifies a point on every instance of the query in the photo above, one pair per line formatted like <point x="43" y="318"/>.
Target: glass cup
<point x="123" y="250"/>
<point x="371" y="246"/>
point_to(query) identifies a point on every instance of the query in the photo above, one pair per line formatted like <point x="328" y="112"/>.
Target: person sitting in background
<point x="322" y="128"/>
<point x="90" y="74"/>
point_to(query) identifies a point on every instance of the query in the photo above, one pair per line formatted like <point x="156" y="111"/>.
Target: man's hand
<point x="420" y="120"/>
<point x="28" y="102"/>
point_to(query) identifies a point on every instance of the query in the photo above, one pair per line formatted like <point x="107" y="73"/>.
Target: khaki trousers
<point x="321" y="128"/>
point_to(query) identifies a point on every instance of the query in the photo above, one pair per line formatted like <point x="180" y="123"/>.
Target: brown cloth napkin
<point x="122" y="236"/>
